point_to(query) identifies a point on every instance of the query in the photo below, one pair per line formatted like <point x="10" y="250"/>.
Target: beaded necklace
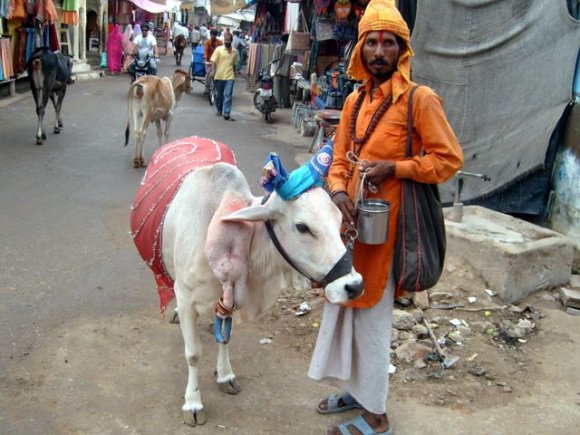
<point x="360" y="141"/>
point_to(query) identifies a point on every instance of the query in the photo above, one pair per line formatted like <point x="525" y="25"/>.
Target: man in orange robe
<point x="352" y="350"/>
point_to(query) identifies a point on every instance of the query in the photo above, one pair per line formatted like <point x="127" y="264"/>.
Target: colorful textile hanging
<point x="321" y="6"/>
<point x="69" y="14"/>
<point x="342" y="9"/>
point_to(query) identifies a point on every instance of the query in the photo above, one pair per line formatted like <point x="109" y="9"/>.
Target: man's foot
<point x="338" y="403"/>
<point x="218" y="114"/>
<point x="363" y="424"/>
<point x="228" y="118"/>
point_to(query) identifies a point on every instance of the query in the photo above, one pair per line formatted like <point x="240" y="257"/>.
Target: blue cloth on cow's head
<point x="310" y="174"/>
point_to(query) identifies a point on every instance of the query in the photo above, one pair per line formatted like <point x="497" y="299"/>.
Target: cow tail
<point x="129" y="112"/>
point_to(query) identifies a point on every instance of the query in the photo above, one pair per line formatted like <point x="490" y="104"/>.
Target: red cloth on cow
<point x="165" y="172"/>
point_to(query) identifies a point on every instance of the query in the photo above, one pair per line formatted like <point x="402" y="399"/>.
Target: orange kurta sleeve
<point x="443" y="157"/>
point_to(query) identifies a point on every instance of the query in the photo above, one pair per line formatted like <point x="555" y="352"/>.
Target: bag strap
<point x="408" y="147"/>
<point x="305" y="28"/>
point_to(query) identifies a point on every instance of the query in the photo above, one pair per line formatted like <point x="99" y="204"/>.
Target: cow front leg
<point x="224" y="310"/>
<point x="168" y="126"/>
<point x="159" y="132"/>
<point x="226" y="378"/>
<point x="192" y="409"/>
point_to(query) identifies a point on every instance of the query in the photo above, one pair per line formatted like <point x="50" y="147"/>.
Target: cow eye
<point x="303" y="229"/>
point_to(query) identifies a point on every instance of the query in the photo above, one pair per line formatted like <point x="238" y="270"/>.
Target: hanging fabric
<point x="342" y="9"/>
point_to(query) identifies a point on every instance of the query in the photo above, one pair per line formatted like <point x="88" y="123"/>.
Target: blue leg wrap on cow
<point x="222" y="329"/>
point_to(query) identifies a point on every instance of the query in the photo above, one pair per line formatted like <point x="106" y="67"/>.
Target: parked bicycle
<point x="327" y="122"/>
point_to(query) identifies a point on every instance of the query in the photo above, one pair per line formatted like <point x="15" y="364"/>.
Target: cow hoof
<point x="143" y="164"/>
<point x="38" y="141"/>
<point x="60" y="124"/>
<point x="230" y="387"/>
<point x="43" y="137"/>
<point x="136" y="163"/>
<point x="56" y="130"/>
<point x="194" y="418"/>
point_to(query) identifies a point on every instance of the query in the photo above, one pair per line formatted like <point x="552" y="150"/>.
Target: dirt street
<point x="84" y="349"/>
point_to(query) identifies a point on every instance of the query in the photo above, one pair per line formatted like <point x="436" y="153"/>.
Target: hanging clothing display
<point x="69" y="12"/>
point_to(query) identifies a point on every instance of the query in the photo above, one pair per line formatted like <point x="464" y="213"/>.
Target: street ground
<point x="84" y="349"/>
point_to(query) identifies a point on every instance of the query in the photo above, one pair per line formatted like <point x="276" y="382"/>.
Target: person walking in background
<point x="209" y="47"/>
<point x="240" y="45"/>
<point x="195" y="37"/>
<point x="178" y="29"/>
<point x="115" y="50"/>
<point x="203" y="34"/>
<point x="136" y="31"/>
<point x="224" y="61"/>
<point x="281" y="64"/>
<point x="354" y="341"/>
<point x="127" y="47"/>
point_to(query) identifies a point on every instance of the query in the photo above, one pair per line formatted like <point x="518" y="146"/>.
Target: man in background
<point x="281" y="64"/>
<point x="195" y="37"/>
<point x="203" y="34"/>
<point x="240" y="45"/>
<point x="224" y="60"/>
<point x="209" y="47"/>
<point x="143" y="45"/>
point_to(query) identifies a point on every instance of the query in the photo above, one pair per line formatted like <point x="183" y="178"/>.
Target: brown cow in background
<point x="179" y="44"/>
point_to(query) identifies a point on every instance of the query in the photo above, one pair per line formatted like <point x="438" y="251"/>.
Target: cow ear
<point x="253" y="213"/>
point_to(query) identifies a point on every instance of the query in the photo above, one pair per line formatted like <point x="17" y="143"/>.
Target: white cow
<point x="213" y="242"/>
<point x="153" y="99"/>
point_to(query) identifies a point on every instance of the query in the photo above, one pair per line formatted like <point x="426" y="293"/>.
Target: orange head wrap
<point x="383" y="15"/>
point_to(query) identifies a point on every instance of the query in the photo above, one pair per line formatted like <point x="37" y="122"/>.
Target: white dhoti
<point x="353" y="350"/>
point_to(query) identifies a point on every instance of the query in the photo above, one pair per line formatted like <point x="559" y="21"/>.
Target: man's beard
<point x="228" y="45"/>
<point x="382" y="76"/>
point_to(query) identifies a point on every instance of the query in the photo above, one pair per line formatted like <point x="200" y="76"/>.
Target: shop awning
<point x="223" y="7"/>
<point x="150" y="6"/>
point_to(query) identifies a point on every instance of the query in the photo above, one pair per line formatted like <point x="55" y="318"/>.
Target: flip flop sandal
<point x="332" y="404"/>
<point x="363" y="427"/>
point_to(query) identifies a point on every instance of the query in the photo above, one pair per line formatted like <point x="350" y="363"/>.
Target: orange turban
<point x="383" y="15"/>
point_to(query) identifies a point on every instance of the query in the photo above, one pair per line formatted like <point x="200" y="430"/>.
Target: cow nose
<point x="353" y="291"/>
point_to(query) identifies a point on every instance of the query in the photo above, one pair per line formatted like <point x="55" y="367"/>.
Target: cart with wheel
<point x="198" y="73"/>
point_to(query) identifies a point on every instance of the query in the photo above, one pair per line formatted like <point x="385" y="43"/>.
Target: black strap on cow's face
<point x="342" y="267"/>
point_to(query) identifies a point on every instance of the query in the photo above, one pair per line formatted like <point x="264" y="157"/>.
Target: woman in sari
<point x="115" y="50"/>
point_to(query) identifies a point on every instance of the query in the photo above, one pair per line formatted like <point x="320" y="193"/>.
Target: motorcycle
<point x="142" y="66"/>
<point x="264" y="99"/>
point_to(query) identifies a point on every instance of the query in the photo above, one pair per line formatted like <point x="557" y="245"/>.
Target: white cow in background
<point x="211" y="240"/>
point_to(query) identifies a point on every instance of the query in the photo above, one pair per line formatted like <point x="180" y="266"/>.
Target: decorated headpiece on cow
<point x="275" y="178"/>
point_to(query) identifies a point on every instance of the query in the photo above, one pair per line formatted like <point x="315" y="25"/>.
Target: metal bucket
<point x="373" y="221"/>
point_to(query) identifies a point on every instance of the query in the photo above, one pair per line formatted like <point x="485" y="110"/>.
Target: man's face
<point x="228" y="40"/>
<point x="144" y="31"/>
<point x="380" y="54"/>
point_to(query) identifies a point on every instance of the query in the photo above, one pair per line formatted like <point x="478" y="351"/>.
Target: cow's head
<point x="308" y="230"/>
<point x="69" y="64"/>
<point x="181" y="83"/>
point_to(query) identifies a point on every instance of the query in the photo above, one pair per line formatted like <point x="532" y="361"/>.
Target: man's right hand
<point x="346" y="207"/>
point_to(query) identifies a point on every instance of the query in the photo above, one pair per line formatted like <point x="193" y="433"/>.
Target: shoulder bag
<point x="299" y="38"/>
<point x="421" y="241"/>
